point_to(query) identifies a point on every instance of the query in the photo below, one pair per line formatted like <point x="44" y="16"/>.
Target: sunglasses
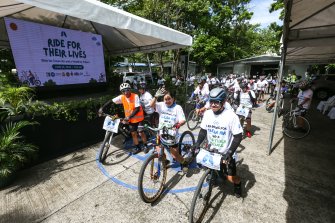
<point x="214" y="102"/>
<point x="125" y="90"/>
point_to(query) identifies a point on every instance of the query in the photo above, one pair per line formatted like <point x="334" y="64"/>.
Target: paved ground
<point x="296" y="183"/>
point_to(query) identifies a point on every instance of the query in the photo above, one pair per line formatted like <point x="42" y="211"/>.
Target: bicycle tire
<point x="242" y="119"/>
<point x="269" y="101"/>
<point x="37" y="83"/>
<point x="289" y="127"/>
<point x="192" y="120"/>
<point x="185" y="146"/>
<point x="201" y="198"/>
<point x="105" y="147"/>
<point x="152" y="162"/>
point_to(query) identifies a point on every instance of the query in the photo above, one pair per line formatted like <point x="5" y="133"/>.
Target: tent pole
<point x="274" y="117"/>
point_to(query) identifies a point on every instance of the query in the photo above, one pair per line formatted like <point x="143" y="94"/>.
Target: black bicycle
<point x="213" y="175"/>
<point x="114" y="125"/>
<point x="152" y="177"/>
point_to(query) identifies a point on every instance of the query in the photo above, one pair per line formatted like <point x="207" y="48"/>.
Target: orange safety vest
<point x="129" y="106"/>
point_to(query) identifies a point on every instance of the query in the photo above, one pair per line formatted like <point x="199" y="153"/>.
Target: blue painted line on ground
<point x="174" y="166"/>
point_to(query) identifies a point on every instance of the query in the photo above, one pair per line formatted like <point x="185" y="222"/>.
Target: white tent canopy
<point x="122" y="32"/>
<point x="309" y="31"/>
<point x="308" y="37"/>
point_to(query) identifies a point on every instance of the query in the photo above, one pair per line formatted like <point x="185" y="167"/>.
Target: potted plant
<point x="14" y="152"/>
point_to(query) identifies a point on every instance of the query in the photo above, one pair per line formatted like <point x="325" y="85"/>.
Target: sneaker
<point x="136" y="149"/>
<point x="238" y="190"/>
<point x="184" y="165"/>
<point x="248" y="133"/>
<point x="145" y="148"/>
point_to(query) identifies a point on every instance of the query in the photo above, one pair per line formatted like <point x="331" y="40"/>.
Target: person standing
<point x="133" y="113"/>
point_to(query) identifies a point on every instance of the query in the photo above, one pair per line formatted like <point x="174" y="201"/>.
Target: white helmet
<point x="124" y="86"/>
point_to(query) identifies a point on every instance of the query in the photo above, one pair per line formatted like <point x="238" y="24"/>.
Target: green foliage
<point x="8" y="79"/>
<point x="278" y="5"/>
<point x="92" y="81"/>
<point x="330" y="68"/>
<point x="16" y="99"/>
<point x="71" y="110"/>
<point x="221" y="29"/>
<point x="49" y="83"/>
<point x="14" y="152"/>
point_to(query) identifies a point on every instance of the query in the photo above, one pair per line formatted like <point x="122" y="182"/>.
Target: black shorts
<point x="231" y="168"/>
<point x="134" y="126"/>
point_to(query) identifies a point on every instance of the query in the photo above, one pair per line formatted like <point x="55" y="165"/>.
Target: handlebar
<point x="157" y="129"/>
<point x="113" y="117"/>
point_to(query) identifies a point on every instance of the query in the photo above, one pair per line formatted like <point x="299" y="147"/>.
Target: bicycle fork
<point x="156" y="175"/>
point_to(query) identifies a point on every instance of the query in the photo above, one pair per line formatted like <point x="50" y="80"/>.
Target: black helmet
<point x="142" y="86"/>
<point x="304" y="84"/>
<point x="217" y="94"/>
<point x="243" y="85"/>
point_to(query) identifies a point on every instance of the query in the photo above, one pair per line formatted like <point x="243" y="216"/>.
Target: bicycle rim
<point x="192" y="120"/>
<point x="291" y="130"/>
<point x="185" y="143"/>
<point x="151" y="179"/>
<point x="104" y="148"/>
<point x="201" y="198"/>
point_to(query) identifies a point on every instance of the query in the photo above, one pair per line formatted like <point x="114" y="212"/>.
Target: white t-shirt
<point x="145" y="101"/>
<point x="261" y="85"/>
<point x="245" y="98"/>
<point x="305" y="94"/>
<point x="169" y="116"/>
<point x="203" y="93"/>
<point x="117" y="100"/>
<point x="221" y="128"/>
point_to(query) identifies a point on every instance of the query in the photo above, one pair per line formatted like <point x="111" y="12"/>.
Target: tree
<point x="220" y="28"/>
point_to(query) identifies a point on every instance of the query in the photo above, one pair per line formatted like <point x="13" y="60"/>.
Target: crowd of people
<point x="219" y="101"/>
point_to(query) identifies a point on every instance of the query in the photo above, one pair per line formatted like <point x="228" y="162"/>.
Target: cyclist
<point x="145" y="99"/>
<point x="202" y="94"/>
<point x="304" y="101"/>
<point x="170" y="114"/>
<point x="224" y="132"/>
<point x="246" y="98"/>
<point x="283" y="91"/>
<point x="133" y="114"/>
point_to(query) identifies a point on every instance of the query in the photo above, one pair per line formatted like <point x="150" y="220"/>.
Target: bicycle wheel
<point x="291" y="128"/>
<point x="268" y="104"/>
<point x="105" y="146"/>
<point x="152" y="178"/>
<point x="185" y="143"/>
<point x="37" y="83"/>
<point x="192" y="120"/>
<point x="242" y="119"/>
<point x="201" y="198"/>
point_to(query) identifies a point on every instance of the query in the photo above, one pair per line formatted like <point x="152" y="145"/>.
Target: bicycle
<point x="242" y="112"/>
<point x="154" y="168"/>
<point x="113" y="125"/>
<point x="271" y="103"/>
<point x="193" y="119"/>
<point x="211" y="159"/>
<point x="290" y="125"/>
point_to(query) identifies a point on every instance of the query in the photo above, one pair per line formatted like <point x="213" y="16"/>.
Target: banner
<point x="46" y="55"/>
